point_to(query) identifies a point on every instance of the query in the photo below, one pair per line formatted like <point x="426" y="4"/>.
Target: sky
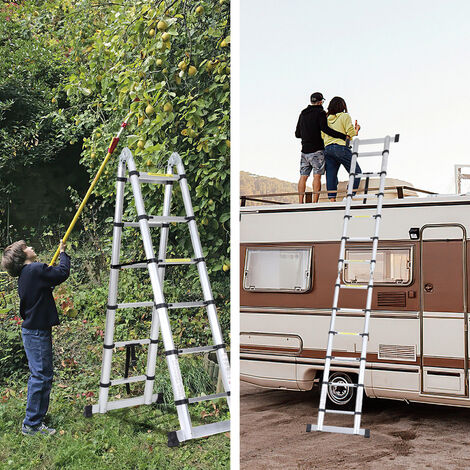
<point x="402" y="67"/>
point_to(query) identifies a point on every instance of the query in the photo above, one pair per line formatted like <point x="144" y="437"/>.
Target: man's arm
<point x="297" y="129"/>
<point x="327" y="130"/>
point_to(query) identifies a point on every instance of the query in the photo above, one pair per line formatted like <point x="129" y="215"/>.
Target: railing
<point x="400" y="194"/>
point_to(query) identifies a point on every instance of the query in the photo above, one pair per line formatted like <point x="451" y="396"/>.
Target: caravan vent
<point x="391" y="299"/>
<point x="394" y="351"/>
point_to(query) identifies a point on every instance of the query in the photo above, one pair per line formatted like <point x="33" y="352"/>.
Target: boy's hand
<point x="357" y="127"/>
<point x="62" y="246"/>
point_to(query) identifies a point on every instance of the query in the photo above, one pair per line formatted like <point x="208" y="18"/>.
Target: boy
<point x="39" y="314"/>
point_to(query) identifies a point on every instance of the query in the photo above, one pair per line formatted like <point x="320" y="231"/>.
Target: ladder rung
<point x="338" y="429"/>
<point x="158" y="220"/>
<point x="120" y="344"/>
<point x="353" y="286"/>
<point x="176" y="261"/>
<point x="339" y="412"/>
<point x="351" y="310"/>
<point x="349" y="261"/>
<point x="359" y="239"/>
<point x="205" y="430"/>
<point x="134" y="265"/>
<point x="157" y="178"/>
<point x="347" y="333"/>
<point x="370" y="154"/>
<point x="207" y="397"/>
<point x="345" y="358"/>
<point x="135" y="304"/>
<point x="166" y="262"/>
<point x="393" y="138"/>
<point x="196" y="350"/>
<point x="362" y="196"/>
<point x="362" y="216"/>
<point x="187" y="304"/>
<point x="128" y="380"/>
<point x="369" y="175"/>
<point x="343" y="385"/>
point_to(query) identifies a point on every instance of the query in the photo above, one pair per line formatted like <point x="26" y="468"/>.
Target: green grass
<point x="130" y="439"/>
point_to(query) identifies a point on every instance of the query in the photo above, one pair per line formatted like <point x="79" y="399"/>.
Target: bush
<point x="13" y="359"/>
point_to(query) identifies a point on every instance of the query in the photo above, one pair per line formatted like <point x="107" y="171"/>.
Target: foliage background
<point x="70" y="71"/>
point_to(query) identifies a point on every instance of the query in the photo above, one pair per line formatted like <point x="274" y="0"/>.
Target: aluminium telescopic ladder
<point x="330" y="357"/>
<point x="160" y="320"/>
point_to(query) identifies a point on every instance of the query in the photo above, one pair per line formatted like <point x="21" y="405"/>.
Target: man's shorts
<point x="312" y="161"/>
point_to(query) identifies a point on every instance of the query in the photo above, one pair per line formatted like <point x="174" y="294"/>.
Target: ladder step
<point x="370" y="154"/>
<point x="126" y="403"/>
<point x="187" y="304"/>
<point x="176" y="261"/>
<point x="165" y="262"/>
<point x="201" y="303"/>
<point x="129" y="380"/>
<point x="359" y="239"/>
<point x="351" y="310"/>
<point x="338" y="429"/>
<point x="362" y="216"/>
<point x="339" y="412"/>
<point x="368" y="195"/>
<point x="196" y="350"/>
<point x="349" y="261"/>
<point x="120" y="344"/>
<point x="204" y="430"/>
<point x="135" y="304"/>
<point x="158" y="220"/>
<point x="157" y="178"/>
<point x="345" y="358"/>
<point x="343" y="385"/>
<point x="369" y="175"/>
<point x="208" y="397"/>
<point x="353" y="286"/>
<point x="347" y="333"/>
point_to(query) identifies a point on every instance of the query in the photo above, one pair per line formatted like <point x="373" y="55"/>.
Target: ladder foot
<point x="173" y="439"/>
<point x="160" y="399"/>
<point x="87" y="411"/>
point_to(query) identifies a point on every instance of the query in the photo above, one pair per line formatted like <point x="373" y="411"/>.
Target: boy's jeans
<point x="38" y="347"/>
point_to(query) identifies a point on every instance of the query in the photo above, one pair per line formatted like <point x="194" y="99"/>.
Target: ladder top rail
<point x="395" y="138"/>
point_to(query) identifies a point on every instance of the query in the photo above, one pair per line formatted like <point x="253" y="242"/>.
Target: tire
<point x="338" y="397"/>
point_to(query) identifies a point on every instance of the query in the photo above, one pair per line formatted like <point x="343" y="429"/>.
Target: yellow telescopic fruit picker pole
<point x="111" y="148"/>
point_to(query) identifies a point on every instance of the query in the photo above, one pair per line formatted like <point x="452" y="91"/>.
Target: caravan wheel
<point x="340" y="396"/>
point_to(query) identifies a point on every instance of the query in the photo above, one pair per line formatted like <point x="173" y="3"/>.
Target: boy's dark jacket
<point x="312" y="121"/>
<point x="37" y="306"/>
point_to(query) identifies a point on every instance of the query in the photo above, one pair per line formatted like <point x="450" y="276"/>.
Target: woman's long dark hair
<point x="337" y="105"/>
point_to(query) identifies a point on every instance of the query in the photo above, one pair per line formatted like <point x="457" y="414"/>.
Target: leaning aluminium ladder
<point x="330" y="357"/>
<point x="160" y="321"/>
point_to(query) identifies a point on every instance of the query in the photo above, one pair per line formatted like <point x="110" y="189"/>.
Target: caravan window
<point x="393" y="266"/>
<point x="278" y="269"/>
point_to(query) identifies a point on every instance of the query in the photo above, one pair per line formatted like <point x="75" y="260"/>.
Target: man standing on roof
<point x="312" y="121"/>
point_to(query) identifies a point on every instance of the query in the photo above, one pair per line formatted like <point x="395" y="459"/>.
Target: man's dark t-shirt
<point x="35" y="283"/>
<point x="312" y="121"/>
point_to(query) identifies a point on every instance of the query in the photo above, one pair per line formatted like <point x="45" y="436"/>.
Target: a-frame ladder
<point x="160" y="320"/>
<point x="333" y="331"/>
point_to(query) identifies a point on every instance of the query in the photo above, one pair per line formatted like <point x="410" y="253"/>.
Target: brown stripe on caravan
<point x="428" y="361"/>
<point x="324" y="272"/>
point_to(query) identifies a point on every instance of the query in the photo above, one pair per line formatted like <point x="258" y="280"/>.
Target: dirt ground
<point x="403" y="437"/>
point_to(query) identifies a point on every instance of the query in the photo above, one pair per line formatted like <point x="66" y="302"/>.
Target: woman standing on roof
<point x="337" y="151"/>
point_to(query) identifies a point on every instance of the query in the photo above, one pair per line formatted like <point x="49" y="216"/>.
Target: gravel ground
<point x="403" y="437"/>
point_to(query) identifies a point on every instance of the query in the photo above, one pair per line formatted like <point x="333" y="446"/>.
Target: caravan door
<point x="443" y="310"/>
